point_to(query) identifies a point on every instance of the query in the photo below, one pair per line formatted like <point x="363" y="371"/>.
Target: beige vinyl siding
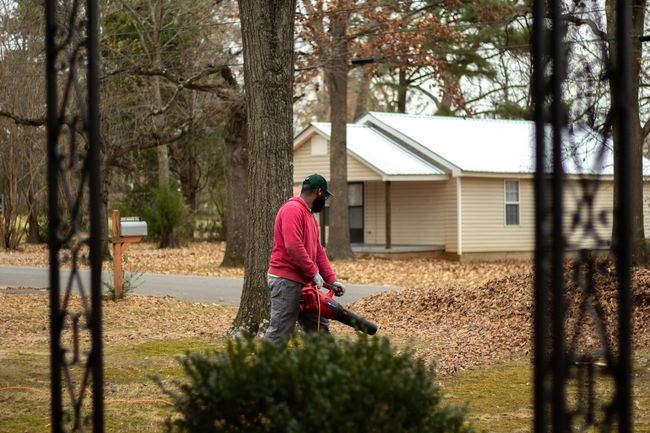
<point x="417" y="213"/>
<point x="449" y="208"/>
<point x="304" y="164"/>
<point x="485" y="230"/>
<point x="483" y="216"/>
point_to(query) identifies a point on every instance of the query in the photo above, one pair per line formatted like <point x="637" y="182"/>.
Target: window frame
<point x="506" y="202"/>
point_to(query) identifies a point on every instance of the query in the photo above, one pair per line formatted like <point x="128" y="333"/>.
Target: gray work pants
<point x="285" y="311"/>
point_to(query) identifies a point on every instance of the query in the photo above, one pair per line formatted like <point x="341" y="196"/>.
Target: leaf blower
<point x="313" y="299"/>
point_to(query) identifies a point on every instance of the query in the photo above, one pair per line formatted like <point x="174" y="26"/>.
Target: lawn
<point x="472" y="319"/>
<point x="498" y="396"/>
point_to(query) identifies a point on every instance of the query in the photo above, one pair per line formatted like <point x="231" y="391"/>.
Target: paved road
<point x="219" y="290"/>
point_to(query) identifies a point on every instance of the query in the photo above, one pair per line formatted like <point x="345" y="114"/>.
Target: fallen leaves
<point x="25" y="319"/>
<point x="466" y="325"/>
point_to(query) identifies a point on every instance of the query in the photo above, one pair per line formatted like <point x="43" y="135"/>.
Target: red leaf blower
<point x="313" y="299"/>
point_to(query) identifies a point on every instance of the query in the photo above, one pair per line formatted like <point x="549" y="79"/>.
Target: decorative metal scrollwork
<point x="582" y="356"/>
<point x="75" y="228"/>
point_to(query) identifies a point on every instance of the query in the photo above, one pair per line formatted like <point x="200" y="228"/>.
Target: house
<point x="459" y="187"/>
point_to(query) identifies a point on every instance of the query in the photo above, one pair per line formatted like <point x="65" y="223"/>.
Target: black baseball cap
<point x="315" y="181"/>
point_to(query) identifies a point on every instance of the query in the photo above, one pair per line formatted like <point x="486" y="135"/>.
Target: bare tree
<point x="268" y="39"/>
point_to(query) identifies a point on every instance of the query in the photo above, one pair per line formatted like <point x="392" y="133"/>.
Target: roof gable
<point x="374" y="150"/>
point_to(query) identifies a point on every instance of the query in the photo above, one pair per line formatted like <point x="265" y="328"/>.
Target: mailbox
<point x="133" y="228"/>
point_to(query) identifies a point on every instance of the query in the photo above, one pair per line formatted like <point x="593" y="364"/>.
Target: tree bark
<point x="402" y="88"/>
<point x="336" y="73"/>
<point x="268" y="40"/>
<point x="363" y="89"/>
<point x="636" y="133"/>
<point x="236" y="175"/>
<point x="33" y="236"/>
<point x="158" y="121"/>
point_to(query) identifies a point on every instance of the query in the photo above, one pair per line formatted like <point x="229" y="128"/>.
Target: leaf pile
<point x="462" y="326"/>
<point x="423" y="273"/>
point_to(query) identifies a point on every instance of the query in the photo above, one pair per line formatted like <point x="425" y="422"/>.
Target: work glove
<point x="318" y="280"/>
<point x="339" y="288"/>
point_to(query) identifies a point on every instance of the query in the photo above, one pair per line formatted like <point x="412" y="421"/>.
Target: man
<point x="297" y="259"/>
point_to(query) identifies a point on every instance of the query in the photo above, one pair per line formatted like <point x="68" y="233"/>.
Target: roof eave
<point x="447" y="165"/>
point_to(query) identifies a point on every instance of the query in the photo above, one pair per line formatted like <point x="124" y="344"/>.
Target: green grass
<point x="129" y="372"/>
<point x="498" y="396"/>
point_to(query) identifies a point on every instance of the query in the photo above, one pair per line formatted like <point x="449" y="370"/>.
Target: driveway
<point x="217" y="290"/>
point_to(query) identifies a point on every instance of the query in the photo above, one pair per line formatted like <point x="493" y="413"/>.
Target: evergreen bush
<point x="162" y="208"/>
<point x="317" y="384"/>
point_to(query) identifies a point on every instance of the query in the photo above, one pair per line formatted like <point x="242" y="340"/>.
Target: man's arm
<point x="324" y="266"/>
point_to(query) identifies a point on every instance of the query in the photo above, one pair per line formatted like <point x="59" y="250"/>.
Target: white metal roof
<point x="491" y="146"/>
<point x="381" y="153"/>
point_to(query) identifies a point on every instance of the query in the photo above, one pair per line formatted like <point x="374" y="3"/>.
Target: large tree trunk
<point x="268" y="39"/>
<point x="636" y="133"/>
<point x="336" y="73"/>
<point x="236" y="173"/>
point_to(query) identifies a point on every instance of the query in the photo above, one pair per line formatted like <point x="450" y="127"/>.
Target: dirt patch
<point x="460" y="327"/>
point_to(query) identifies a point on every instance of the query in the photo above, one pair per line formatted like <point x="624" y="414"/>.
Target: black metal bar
<point x="96" y="235"/>
<point x="53" y="215"/>
<point x="558" y="412"/>
<point x="540" y="364"/>
<point x="624" y="235"/>
<point x="74" y="170"/>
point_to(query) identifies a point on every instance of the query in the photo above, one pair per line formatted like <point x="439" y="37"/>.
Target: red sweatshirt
<point x="297" y="252"/>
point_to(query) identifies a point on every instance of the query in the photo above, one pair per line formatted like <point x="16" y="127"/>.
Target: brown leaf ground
<point x="202" y="258"/>
<point x="463" y="326"/>
<point x="136" y="319"/>
<point x="459" y="314"/>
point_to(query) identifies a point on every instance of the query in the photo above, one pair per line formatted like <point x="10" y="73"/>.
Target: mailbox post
<point x="124" y="234"/>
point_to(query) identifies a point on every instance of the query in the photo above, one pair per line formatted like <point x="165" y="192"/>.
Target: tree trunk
<point x="402" y="88"/>
<point x="158" y="121"/>
<point x="363" y="89"/>
<point x="636" y="134"/>
<point x="236" y="175"/>
<point x="33" y="236"/>
<point x="336" y="73"/>
<point x="103" y="208"/>
<point x="268" y="40"/>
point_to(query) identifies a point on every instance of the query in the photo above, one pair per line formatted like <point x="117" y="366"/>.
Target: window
<point x="318" y="146"/>
<point x="512" y="202"/>
<point x="355" y="194"/>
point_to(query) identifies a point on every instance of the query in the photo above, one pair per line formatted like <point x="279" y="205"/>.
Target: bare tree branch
<point x="20" y="120"/>
<point x="586" y="22"/>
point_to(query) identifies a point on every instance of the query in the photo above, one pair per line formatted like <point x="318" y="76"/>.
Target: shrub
<point x="130" y="282"/>
<point x="315" y="385"/>
<point x="162" y="208"/>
